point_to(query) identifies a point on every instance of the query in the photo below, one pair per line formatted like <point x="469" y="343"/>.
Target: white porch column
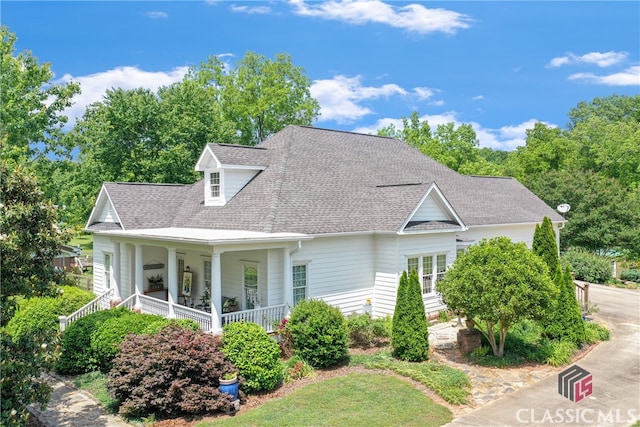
<point x="216" y="290"/>
<point x="139" y="273"/>
<point x="172" y="281"/>
<point x="287" y="277"/>
<point x="117" y="259"/>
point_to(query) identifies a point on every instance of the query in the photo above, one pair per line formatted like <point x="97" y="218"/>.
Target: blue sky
<point x="499" y="66"/>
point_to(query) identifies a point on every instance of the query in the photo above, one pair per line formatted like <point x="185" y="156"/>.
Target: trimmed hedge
<point x="107" y="339"/>
<point x="319" y="332"/>
<point x="255" y="354"/>
<point x="631" y="275"/>
<point x="38" y="317"/>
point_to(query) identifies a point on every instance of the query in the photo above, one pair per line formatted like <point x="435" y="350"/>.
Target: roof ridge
<point x="279" y="181"/>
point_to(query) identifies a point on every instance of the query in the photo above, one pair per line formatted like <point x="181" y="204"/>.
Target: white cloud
<point x="423" y="93"/>
<point x="413" y="17"/>
<point x="601" y="59"/>
<point x="339" y="97"/>
<point x="628" y="77"/>
<point x="157" y="15"/>
<point x="261" y="10"/>
<point x="478" y="98"/>
<point x="95" y="85"/>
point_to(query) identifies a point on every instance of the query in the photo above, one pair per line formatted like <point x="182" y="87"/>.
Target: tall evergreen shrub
<point x="545" y="244"/>
<point x="410" y="334"/>
<point x="564" y="322"/>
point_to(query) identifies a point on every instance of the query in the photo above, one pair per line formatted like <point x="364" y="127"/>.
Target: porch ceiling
<point x="207" y="236"/>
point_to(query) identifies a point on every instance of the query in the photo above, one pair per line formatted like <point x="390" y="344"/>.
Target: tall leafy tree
<point x="261" y="96"/>
<point x="31" y="106"/>
<point x="614" y="108"/>
<point x="498" y="283"/>
<point x="545" y="244"/>
<point x="29" y="241"/>
<point x="604" y="216"/>
<point x="455" y="147"/>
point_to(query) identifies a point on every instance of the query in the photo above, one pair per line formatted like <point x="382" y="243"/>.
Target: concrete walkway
<point x="70" y="407"/>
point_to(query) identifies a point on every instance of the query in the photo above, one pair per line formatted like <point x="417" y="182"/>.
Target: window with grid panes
<point x="428" y="270"/>
<point x="299" y="283"/>
<point x="214" y="183"/>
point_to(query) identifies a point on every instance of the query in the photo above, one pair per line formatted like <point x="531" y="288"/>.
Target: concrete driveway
<point x="614" y="366"/>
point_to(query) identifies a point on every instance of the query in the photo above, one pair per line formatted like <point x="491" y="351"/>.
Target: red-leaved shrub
<point x="172" y="373"/>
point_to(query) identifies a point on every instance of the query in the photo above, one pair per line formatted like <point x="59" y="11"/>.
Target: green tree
<point x="261" y="96"/>
<point x="455" y="147"/>
<point x="410" y="334"/>
<point x="545" y="244"/>
<point x="31" y="105"/>
<point x="564" y="320"/>
<point x="29" y="242"/>
<point x="498" y="283"/>
<point x="604" y="216"/>
<point x="614" y="108"/>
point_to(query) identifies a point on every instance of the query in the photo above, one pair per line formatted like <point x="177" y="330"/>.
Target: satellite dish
<point x="563" y="208"/>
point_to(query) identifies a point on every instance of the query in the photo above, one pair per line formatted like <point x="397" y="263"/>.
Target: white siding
<point x="235" y="180"/>
<point x="430" y="210"/>
<point x="340" y="270"/>
<point x="275" y="277"/>
<point x="233" y="274"/>
<point x="386" y="275"/>
<point x="108" y="213"/>
<point x="101" y="245"/>
<point x="517" y="233"/>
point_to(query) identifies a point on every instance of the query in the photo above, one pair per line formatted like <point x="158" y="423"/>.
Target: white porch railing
<point x="265" y="317"/>
<point x="103" y="302"/>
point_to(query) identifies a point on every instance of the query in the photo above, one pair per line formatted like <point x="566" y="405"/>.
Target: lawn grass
<point x="451" y="384"/>
<point x="95" y="383"/>
<point x="85" y="240"/>
<point x="351" y="400"/>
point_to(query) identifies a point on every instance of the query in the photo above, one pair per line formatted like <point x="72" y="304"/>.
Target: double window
<point x="430" y="269"/>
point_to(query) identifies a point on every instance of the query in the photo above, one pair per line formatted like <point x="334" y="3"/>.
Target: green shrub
<point x="410" y="334"/>
<point x="631" y="275"/>
<point x="545" y="244"/>
<point x="76" y="356"/>
<point x="38" y="317"/>
<point x="595" y="333"/>
<point x="319" y="332"/>
<point x="162" y="323"/>
<point x="564" y="320"/>
<point x="254" y="353"/>
<point x="296" y="368"/>
<point x="588" y="266"/>
<point x="365" y="331"/>
<point x="107" y="339"/>
<point x="560" y="353"/>
<point x="171" y="373"/>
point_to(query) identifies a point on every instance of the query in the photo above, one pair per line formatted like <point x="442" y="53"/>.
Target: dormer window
<point x="214" y="184"/>
<point x="214" y="192"/>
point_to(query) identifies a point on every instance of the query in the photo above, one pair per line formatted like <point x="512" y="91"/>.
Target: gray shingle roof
<point x="322" y="181"/>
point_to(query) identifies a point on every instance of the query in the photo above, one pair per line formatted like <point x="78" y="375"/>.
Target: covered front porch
<point x="210" y="276"/>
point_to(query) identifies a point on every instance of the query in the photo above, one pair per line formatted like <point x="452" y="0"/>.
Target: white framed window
<point x="430" y="269"/>
<point x="214" y="185"/>
<point x="299" y="276"/>
<point x="108" y="267"/>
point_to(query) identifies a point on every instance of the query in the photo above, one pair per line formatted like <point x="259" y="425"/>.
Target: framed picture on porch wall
<point x="187" y="278"/>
